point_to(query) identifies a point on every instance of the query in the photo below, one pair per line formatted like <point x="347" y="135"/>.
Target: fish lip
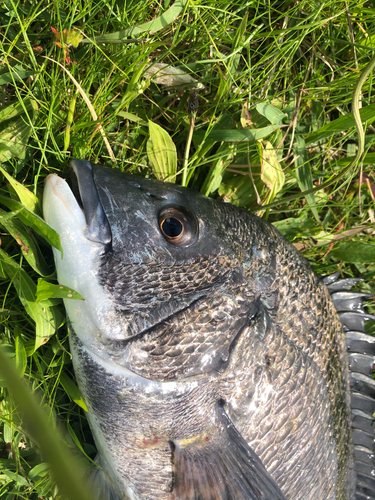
<point x="97" y="225"/>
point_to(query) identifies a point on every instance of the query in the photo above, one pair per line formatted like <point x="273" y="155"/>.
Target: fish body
<point x="211" y="357"/>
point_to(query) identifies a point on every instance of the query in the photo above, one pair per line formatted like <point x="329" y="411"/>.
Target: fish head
<point x="170" y="277"/>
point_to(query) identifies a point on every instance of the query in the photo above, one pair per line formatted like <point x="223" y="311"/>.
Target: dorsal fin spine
<point x="361" y="348"/>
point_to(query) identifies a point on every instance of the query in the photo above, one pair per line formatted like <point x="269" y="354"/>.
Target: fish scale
<point x="215" y="367"/>
<point x="183" y="357"/>
<point x="288" y="383"/>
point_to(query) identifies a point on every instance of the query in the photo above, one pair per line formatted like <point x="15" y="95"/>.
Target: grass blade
<point x="155" y="25"/>
<point x="303" y="173"/>
<point x="67" y="469"/>
<point x="251" y="135"/>
<point x="72" y="390"/>
<point x="340" y="125"/>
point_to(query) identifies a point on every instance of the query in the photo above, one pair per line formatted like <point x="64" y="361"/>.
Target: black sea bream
<point x="211" y="357"/>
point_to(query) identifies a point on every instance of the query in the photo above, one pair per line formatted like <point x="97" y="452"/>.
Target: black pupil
<point x="172" y="227"/>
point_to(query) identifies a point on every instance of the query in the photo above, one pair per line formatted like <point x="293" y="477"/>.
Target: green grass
<point x="278" y="79"/>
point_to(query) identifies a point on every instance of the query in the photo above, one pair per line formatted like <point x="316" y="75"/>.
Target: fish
<point x="214" y="363"/>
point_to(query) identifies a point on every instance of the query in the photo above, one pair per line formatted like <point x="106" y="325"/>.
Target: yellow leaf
<point x="246" y="120"/>
<point x="161" y="152"/>
<point x="272" y="173"/>
<point x="26" y="197"/>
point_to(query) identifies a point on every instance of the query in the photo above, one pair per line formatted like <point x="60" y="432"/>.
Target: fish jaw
<point x="78" y="266"/>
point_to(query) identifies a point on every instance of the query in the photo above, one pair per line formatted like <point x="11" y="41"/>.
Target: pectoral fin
<point x="100" y="483"/>
<point x="219" y="465"/>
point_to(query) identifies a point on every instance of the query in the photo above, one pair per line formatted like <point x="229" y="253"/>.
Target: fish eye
<point x="177" y="226"/>
<point x="172" y="227"/>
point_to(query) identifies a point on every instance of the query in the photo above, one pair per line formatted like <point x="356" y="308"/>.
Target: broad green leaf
<point x="354" y="251"/>
<point x="7" y="433"/>
<point x="225" y="155"/>
<point x="8" y="73"/>
<point x="153" y="26"/>
<point x="13" y="140"/>
<point x="40" y="471"/>
<point x="235" y="135"/>
<point x="16" y="477"/>
<point x="272" y="173"/>
<point x="27" y="198"/>
<point x="238" y="190"/>
<point x="45" y="318"/>
<point x="34" y="221"/>
<point x="341" y="124"/>
<point x="303" y="173"/>
<point x="46" y="290"/>
<point x="21" y="358"/>
<point x="132" y="117"/>
<point x="364" y="42"/>
<point x="26" y="241"/>
<point x="273" y="114"/>
<point x="71" y="388"/>
<point x="16" y="128"/>
<point x="9" y="215"/>
<point x="67" y="469"/>
<point x="161" y="152"/>
<point x="16" y="109"/>
<point x="296" y="227"/>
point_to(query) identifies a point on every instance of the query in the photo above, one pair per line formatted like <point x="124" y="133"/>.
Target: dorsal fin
<point x="361" y="350"/>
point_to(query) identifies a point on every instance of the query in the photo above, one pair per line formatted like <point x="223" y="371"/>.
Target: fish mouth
<point x="84" y="189"/>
